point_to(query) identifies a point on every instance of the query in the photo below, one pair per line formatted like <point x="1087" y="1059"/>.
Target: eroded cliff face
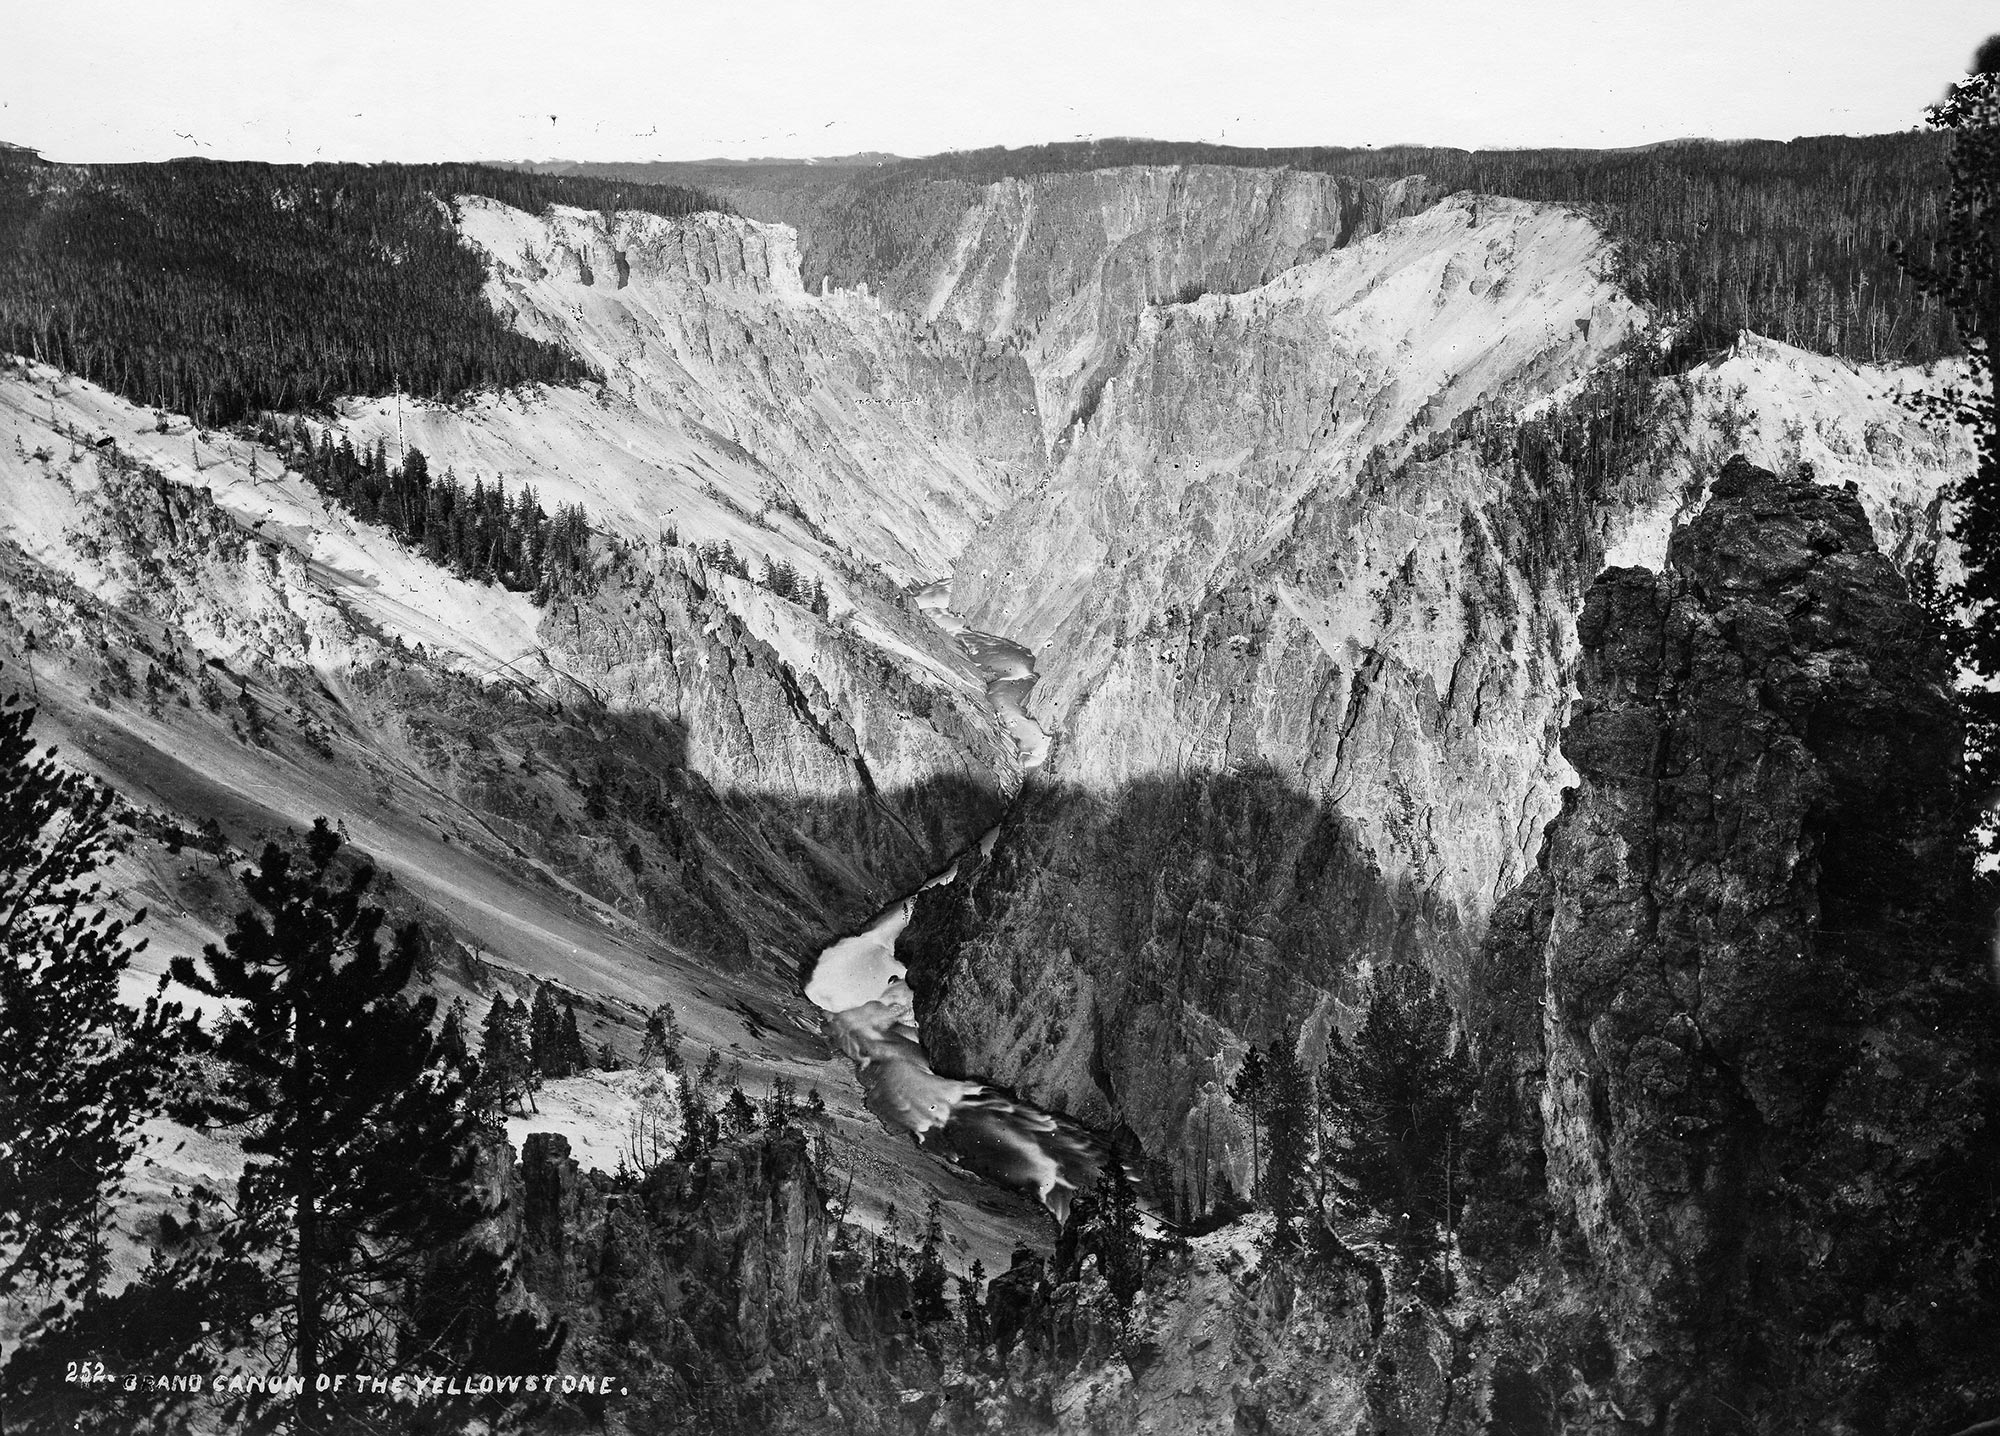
<point x="831" y="431"/>
<point x="1766" y="1043"/>
<point x="1325" y="540"/>
<point x="1302" y="616"/>
<point x="1060" y="267"/>
<point x="565" y="735"/>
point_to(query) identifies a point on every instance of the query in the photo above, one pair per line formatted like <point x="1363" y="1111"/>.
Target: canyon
<point x="1291" y="494"/>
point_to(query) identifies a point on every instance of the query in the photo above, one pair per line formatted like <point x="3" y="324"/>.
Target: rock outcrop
<point x="1767" y="1047"/>
<point x="713" y="1294"/>
<point x="712" y="1291"/>
<point x="1742" y="1051"/>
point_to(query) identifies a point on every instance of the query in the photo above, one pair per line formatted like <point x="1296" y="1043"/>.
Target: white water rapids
<point x="860" y="982"/>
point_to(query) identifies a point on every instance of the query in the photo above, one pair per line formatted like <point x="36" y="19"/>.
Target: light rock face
<point x="1234" y="409"/>
<point x="883" y="761"/>
<point x="1784" y="409"/>
<point x="829" y="431"/>
<point x="1305" y="670"/>
<point x="1062" y="266"/>
<point x="1766" y="1039"/>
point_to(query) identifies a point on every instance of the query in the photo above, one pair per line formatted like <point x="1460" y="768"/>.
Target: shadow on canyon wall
<point x="1116" y="951"/>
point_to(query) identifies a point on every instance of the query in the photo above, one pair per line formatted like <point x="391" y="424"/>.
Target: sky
<point x="299" y="80"/>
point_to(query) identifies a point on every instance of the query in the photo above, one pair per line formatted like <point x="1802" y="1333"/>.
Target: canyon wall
<point x="1302" y="592"/>
<point x="1061" y="267"/>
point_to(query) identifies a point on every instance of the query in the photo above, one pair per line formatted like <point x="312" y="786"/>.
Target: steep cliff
<point x="1061" y="267"/>
<point x="1735" y="1143"/>
<point x="829" y="430"/>
<point x="1764" y="1065"/>
<point x="1292" y="616"/>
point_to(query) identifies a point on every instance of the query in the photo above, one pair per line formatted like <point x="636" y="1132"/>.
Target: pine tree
<point x="649" y="1137"/>
<point x="1289" y="1107"/>
<point x="781" y="1105"/>
<point x="79" y="1071"/>
<point x="359" y="1132"/>
<point x="506" y="1073"/>
<point x="701" y="1123"/>
<point x="1247" y="1092"/>
<point x="521" y="1022"/>
<point x="451" y="1036"/>
<point x="700" y="1128"/>
<point x="546" y="1048"/>
<point x="927" y="1281"/>
<point x="888" y="1253"/>
<point x="739" y="1117"/>
<point x="973" y="1305"/>
<point x="574" y="1058"/>
<point x="708" y="1081"/>
<point x="413" y="479"/>
<point x="1104" y="1223"/>
<point x="1398" y="1090"/>
<point x="661" y="1046"/>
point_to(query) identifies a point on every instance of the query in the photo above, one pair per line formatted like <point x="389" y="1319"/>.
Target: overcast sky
<point x="687" y="79"/>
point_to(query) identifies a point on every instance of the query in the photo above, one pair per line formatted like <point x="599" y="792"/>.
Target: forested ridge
<point x="220" y="290"/>
<point x="1790" y="239"/>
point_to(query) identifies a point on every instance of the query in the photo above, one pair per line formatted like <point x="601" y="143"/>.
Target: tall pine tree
<point x="1246" y="1090"/>
<point x="451" y="1034"/>
<point x="359" y="1131"/>
<point x="575" y="1057"/>
<point x="927" y="1280"/>
<point x="661" y="1046"/>
<point x="1289" y="1123"/>
<point x="1104" y="1222"/>
<point x="555" y="1046"/>
<point x="507" y="1074"/>
<point x="1396" y="1095"/>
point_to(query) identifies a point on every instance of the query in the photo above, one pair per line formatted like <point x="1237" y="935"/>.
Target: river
<point x="860" y="983"/>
